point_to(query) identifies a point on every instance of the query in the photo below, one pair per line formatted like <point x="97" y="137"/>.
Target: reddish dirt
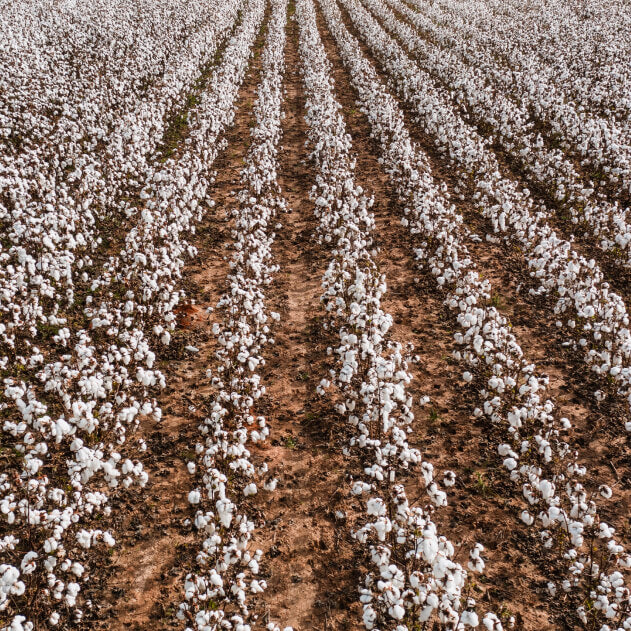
<point x="311" y="559"/>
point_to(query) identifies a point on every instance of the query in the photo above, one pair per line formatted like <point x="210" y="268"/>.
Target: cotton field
<point x="314" y="315"/>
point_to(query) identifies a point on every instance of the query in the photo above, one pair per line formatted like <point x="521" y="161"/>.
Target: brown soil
<point x="311" y="558"/>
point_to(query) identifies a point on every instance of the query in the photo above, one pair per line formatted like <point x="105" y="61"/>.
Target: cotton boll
<point x="491" y="622"/>
<point x="510" y="463"/>
<point x="469" y="619"/>
<point x="271" y="485"/>
<point x="449" y="478"/>
<point x="397" y="612"/>
<point x="250" y="489"/>
<point x="605" y="491"/>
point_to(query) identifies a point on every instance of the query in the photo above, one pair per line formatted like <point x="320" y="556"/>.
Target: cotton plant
<point x="225" y="583"/>
<point x="536" y="455"/>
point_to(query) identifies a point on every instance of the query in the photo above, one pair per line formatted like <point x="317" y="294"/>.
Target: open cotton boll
<point x="510" y="463"/>
<point x="250" y="489"/>
<point x="605" y="491"/>
<point x="469" y="619"/>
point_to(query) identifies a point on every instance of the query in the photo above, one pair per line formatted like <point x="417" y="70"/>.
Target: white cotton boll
<point x="606" y="531"/>
<point x="491" y="622"/>
<point x="376" y="506"/>
<point x="84" y="539"/>
<point x="552" y="589"/>
<point x="510" y="463"/>
<point x="360" y="487"/>
<point x="54" y="619"/>
<point x="546" y="488"/>
<point x="250" y="489"/>
<point x="469" y="619"/>
<point x="194" y="497"/>
<point x="369" y="617"/>
<point x="467" y="376"/>
<point x="108" y="539"/>
<point x="605" y="491"/>
<point x="449" y="478"/>
<point x="437" y="497"/>
<point x="527" y="518"/>
<point x="397" y="612"/>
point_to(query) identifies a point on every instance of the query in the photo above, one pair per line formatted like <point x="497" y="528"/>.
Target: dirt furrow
<point x="480" y="505"/>
<point x="310" y="564"/>
<point x="156" y="541"/>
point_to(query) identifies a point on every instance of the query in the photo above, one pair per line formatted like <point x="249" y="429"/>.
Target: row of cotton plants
<point x="577" y="45"/>
<point x="220" y="589"/>
<point x="60" y="190"/>
<point x="510" y="127"/>
<point x="594" y="316"/>
<point x="535" y="455"/>
<point x="135" y="141"/>
<point x="102" y="385"/>
<point x="550" y="94"/>
<point x="82" y="65"/>
<point x="49" y="359"/>
<point x="413" y="578"/>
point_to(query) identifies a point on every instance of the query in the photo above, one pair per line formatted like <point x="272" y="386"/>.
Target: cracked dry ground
<point x="312" y="564"/>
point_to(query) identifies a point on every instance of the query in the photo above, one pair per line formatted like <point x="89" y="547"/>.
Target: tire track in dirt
<point x="481" y="508"/>
<point x="156" y="546"/>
